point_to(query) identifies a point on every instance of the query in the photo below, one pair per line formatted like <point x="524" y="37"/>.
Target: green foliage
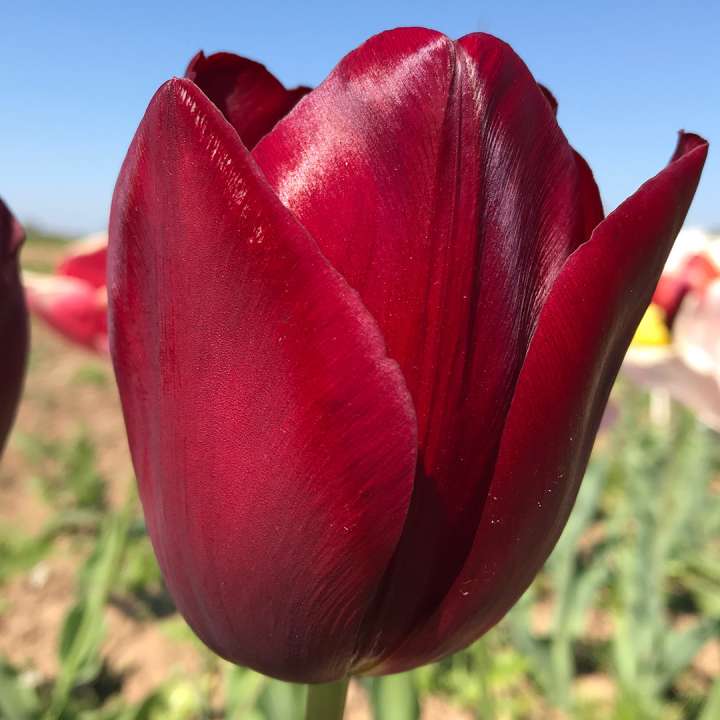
<point x="83" y="629"/>
<point x="67" y="472"/>
<point x="18" y="701"/>
<point x="18" y="552"/>
<point x="394" y="697"/>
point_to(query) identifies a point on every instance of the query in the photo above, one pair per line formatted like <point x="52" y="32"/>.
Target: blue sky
<point x="76" y="81"/>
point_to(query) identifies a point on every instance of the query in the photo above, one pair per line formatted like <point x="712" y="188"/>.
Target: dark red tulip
<point x="13" y="321"/>
<point x="362" y="367"/>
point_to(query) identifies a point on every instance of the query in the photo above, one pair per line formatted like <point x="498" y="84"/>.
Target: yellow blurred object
<point x="652" y="331"/>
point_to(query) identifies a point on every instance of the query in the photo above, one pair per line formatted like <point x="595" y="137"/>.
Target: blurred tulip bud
<point x="73" y="301"/>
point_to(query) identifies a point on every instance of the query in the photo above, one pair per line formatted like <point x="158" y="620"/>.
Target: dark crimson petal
<point x="549" y="97"/>
<point x="590" y="204"/>
<point x="584" y="330"/>
<point x="87" y="261"/>
<point x="250" y="97"/>
<point x="273" y="439"/>
<point x="13" y="321"/>
<point x="435" y="178"/>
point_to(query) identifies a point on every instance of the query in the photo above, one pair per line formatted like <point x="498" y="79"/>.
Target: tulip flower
<point x="676" y="347"/>
<point x="73" y="300"/>
<point x="363" y="364"/>
<point x="13" y="321"/>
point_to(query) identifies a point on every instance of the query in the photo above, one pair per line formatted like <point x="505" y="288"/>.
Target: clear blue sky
<point x="75" y="82"/>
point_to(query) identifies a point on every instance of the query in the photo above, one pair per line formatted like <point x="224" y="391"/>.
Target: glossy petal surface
<point x="250" y="97"/>
<point x="584" y="330"/>
<point x="273" y="439"/>
<point x="436" y="180"/>
<point x="13" y="321"/>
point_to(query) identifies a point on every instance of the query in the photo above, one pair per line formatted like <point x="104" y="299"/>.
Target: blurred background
<point x="623" y="623"/>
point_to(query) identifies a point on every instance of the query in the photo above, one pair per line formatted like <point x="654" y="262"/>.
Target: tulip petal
<point x="72" y="307"/>
<point x="250" y="97"/>
<point x="13" y="321"/>
<point x="87" y="261"/>
<point x="273" y="439"/>
<point x="436" y="180"/>
<point x="589" y="200"/>
<point x="584" y="330"/>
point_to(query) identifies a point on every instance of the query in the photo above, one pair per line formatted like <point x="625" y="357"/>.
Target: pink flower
<point x="73" y="301"/>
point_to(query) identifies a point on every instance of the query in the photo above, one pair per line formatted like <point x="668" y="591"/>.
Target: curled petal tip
<point x="250" y="97"/>
<point x="689" y="141"/>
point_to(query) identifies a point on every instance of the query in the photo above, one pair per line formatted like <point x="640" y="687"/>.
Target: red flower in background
<point x="73" y="300"/>
<point x="692" y="273"/>
<point x="362" y="366"/>
<point x="13" y="321"/>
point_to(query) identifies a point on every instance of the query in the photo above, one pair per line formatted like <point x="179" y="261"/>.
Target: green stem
<point x="326" y="702"/>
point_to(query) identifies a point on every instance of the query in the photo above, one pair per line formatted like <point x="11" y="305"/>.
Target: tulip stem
<point x="326" y="702"/>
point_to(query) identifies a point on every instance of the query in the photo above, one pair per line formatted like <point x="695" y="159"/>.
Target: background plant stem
<point x="326" y="702"/>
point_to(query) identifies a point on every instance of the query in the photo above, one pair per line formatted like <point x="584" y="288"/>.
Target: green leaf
<point x="711" y="709"/>
<point x="393" y="697"/>
<point x="282" y="701"/>
<point x="242" y="690"/>
<point x="17" y="701"/>
<point x="680" y="647"/>
<point x="82" y="631"/>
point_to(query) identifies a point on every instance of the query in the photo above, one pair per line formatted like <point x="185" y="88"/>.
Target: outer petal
<point x="273" y="439"/>
<point x="584" y="330"/>
<point x="589" y="197"/>
<point x="251" y="98"/>
<point x="72" y="307"/>
<point x="436" y="180"/>
<point x="13" y="321"/>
